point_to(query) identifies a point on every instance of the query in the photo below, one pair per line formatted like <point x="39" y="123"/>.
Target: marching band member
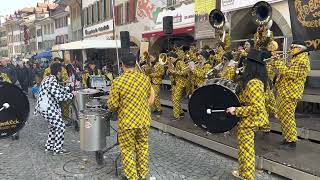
<point x="64" y="80"/>
<point x="156" y="81"/>
<point x="290" y="86"/>
<point x="131" y="96"/>
<point x="4" y="77"/>
<point x="229" y="67"/>
<point x="179" y="73"/>
<point x="91" y="71"/>
<point x="252" y="113"/>
<point x="201" y="70"/>
<point x="262" y="37"/>
<point x="217" y="59"/>
<point x="51" y="93"/>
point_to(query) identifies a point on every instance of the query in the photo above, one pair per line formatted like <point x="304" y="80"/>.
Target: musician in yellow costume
<point x="179" y="72"/>
<point x="156" y="81"/>
<point x="130" y="96"/>
<point x="200" y="71"/>
<point x="4" y="77"/>
<point x="92" y="70"/>
<point x="290" y="86"/>
<point x="217" y="58"/>
<point x="263" y="36"/>
<point x="229" y="67"/>
<point x="252" y="113"/>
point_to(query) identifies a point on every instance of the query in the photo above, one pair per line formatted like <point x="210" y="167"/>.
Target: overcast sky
<point x="9" y="6"/>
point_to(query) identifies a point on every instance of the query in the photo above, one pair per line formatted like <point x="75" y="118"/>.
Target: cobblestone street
<point x="171" y="158"/>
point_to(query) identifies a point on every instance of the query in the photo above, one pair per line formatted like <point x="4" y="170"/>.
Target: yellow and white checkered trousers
<point x="246" y="153"/>
<point x="285" y="110"/>
<point x="134" y="152"/>
<point x="157" y="103"/>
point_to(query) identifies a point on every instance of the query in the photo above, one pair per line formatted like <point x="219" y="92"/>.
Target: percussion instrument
<point x="94" y="104"/>
<point x="93" y="129"/>
<point x="82" y="97"/>
<point x="208" y="104"/>
<point x="14" y="109"/>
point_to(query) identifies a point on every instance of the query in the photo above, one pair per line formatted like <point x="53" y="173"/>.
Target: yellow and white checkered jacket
<point x="4" y="77"/>
<point x="217" y="58"/>
<point x="199" y="74"/>
<point x="180" y="77"/>
<point x="128" y="97"/>
<point x="292" y="77"/>
<point x="264" y="41"/>
<point x="157" y="74"/>
<point x="253" y="111"/>
<point x="228" y="73"/>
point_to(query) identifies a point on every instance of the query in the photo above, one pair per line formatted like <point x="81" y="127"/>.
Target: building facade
<point x="3" y="42"/>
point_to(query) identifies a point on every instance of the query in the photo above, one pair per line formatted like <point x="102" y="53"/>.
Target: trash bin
<point x="93" y="129"/>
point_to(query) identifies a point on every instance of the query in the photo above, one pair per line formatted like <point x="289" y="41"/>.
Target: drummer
<point x="51" y="93"/>
<point x="92" y="70"/>
<point x="252" y="113"/>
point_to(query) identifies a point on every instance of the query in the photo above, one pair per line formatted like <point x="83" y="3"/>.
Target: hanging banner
<point x="203" y="28"/>
<point x="148" y="10"/>
<point x="204" y="6"/>
<point x="305" y="22"/>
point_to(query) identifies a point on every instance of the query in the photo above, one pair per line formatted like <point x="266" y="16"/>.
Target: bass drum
<point x="12" y="119"/>
<point x="217" y="94"/>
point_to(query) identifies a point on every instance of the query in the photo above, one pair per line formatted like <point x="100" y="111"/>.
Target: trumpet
<point x="277" y="56"/>
<point x="163" y="59"/>
<point x="240" y="70"/>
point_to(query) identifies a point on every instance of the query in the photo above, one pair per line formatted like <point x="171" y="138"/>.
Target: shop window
<point x="102" y="9"/>
<point x="98" y="10"/>
<point x="90" y="15"/>
<point x="85" y="16"/>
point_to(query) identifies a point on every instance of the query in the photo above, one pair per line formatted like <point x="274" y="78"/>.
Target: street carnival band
<point x="269" y="85"/>
<point x="259" y="70"/>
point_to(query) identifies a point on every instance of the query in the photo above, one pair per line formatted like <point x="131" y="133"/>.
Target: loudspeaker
<point x="167" y="24"/>
<point x="125" y="39"/>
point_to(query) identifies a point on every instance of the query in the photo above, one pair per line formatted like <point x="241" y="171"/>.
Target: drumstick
<point x="210" y="111"/>
<point x="5" y="106"/>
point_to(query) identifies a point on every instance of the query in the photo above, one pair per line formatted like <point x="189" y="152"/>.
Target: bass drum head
<point x="213" y="97"/>
<point x="14" y="118"/>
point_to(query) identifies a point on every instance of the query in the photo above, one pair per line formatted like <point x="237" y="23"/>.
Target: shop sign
<point x="232" y="5"/>
<point x="98" y="28"/>
<point x="182" y="15"/>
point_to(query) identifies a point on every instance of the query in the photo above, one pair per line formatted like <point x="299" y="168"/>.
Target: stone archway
<point x="241" y="22"/>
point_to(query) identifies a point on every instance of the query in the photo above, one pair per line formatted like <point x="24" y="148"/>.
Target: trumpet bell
<point x="217" y="19"/>
<point x="163" y="58"/>
<point x="261" y="13"/>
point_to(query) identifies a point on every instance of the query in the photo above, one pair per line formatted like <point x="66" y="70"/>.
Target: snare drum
<point x="216" y="94"/>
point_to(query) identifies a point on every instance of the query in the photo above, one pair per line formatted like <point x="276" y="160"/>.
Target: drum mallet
<point x="210" y="111"/>
<point x="5" y="106"/>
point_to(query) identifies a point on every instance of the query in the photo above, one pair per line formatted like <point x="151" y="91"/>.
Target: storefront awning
<point x="177" y="30"/>
<point x="46" y="54"/>
<point x="88" y="44"/>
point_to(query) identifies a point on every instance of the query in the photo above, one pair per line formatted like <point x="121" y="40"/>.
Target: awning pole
<point x="114" y="36"/>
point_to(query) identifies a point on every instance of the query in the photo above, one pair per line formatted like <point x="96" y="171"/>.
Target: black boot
<point x="288" y="145"/>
